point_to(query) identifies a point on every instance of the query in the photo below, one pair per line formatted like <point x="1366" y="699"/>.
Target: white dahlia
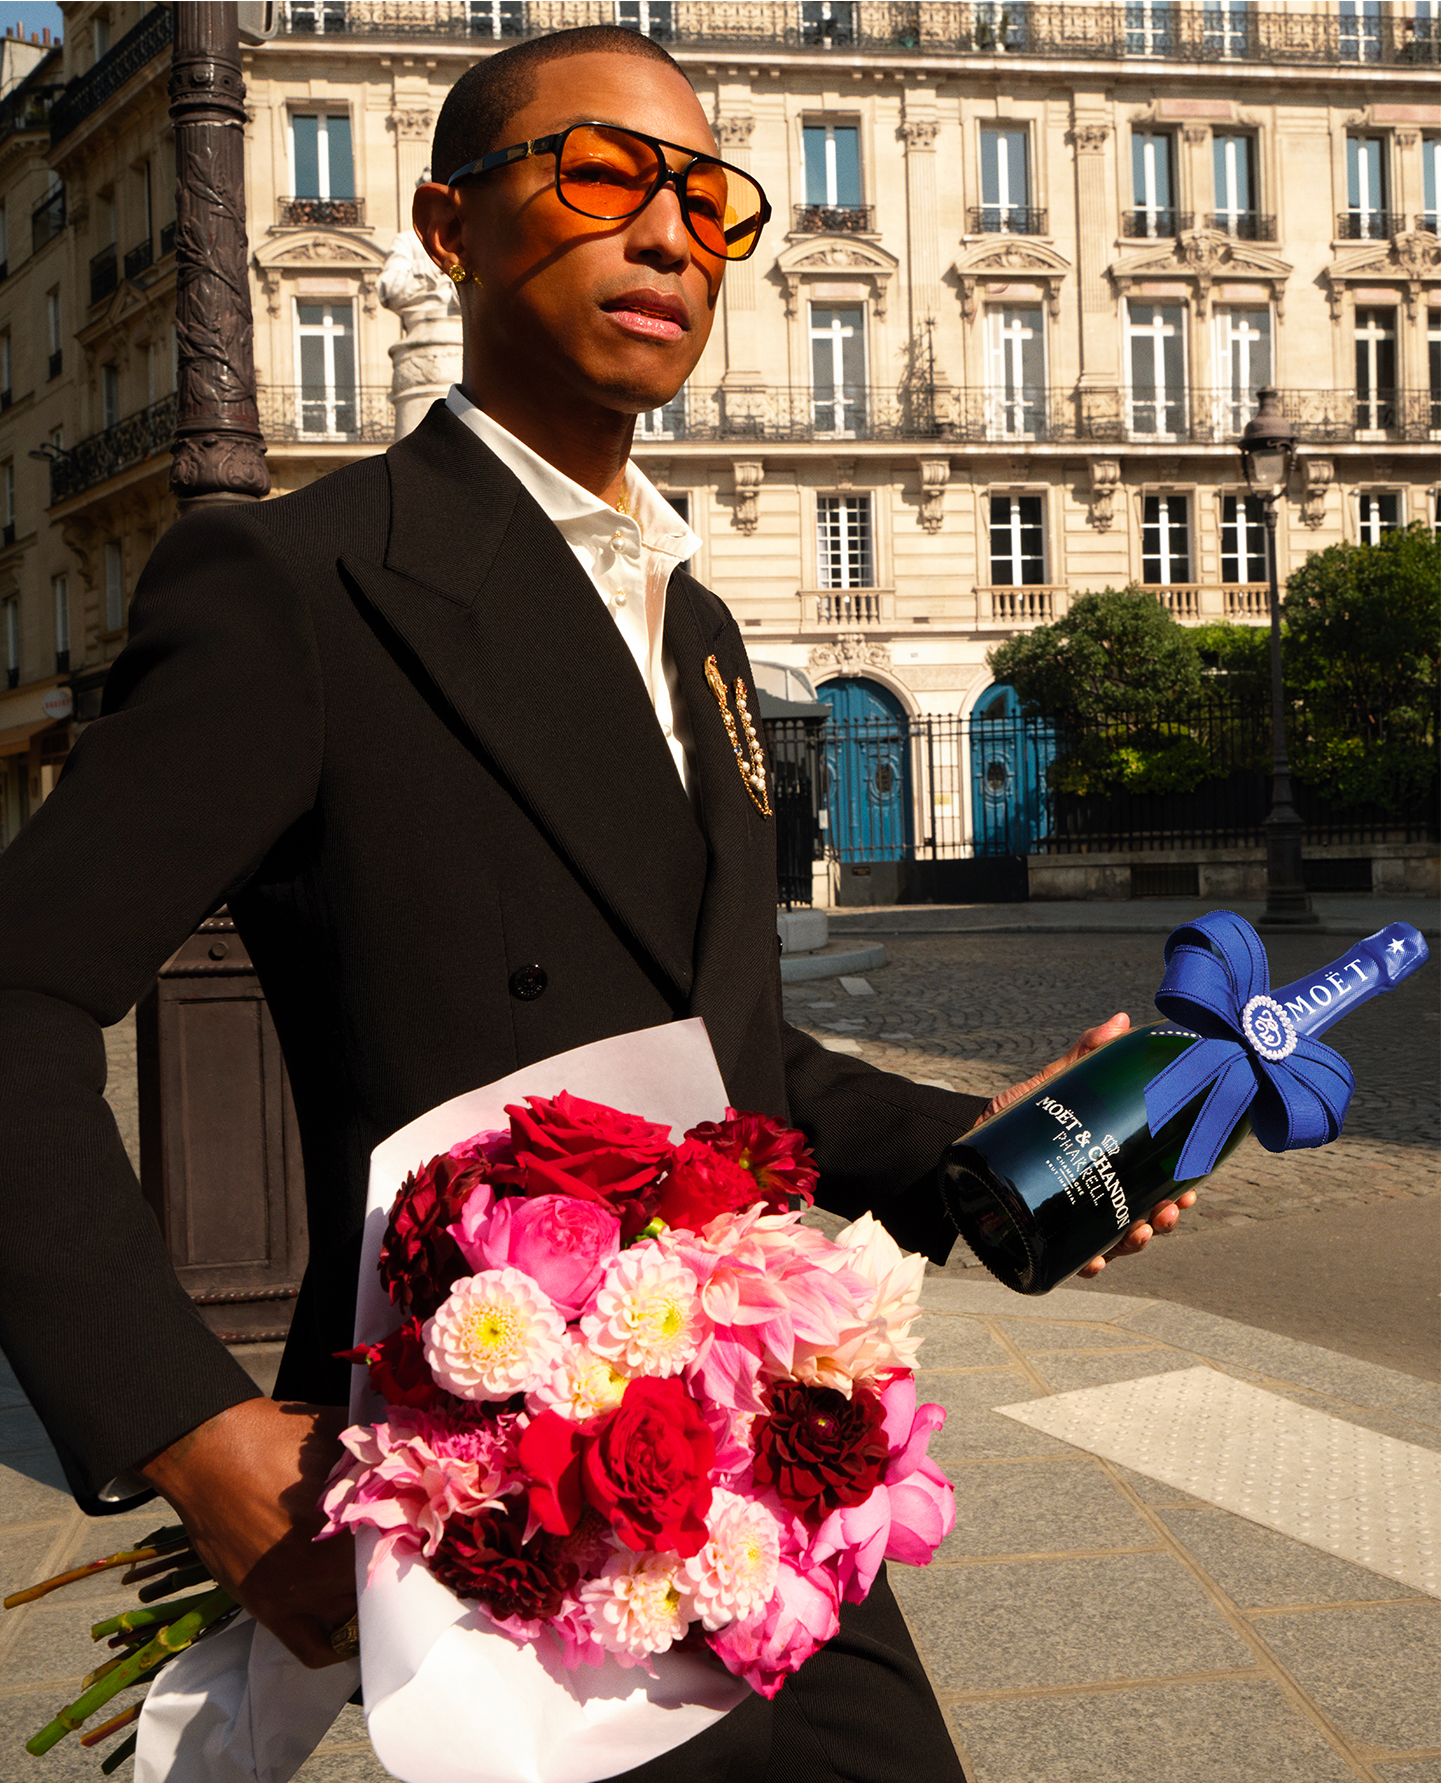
<point x="646" y="1316"/>
<point x="496" y="1335"/>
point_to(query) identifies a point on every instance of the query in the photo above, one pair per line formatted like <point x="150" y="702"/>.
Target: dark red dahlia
<point x="820" y="1450"/>
<point x="398" y="1372"/>
<point x="419" y="1260"/>
<point x="776" y="1156"/>
<point x="486" y="1558"/>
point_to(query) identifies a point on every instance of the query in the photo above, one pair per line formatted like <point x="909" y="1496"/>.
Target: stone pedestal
<point x="427" y="362"/>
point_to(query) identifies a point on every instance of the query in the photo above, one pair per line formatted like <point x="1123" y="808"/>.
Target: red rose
<point x="820" y="1450"/>
<point x="487" y="1558"/>
<point x="647" y="1468"/>
<point x="419" y="1261"/>
<point x="775" y="1156"/>
<point x="567" y="1146"/>
<point x="550" y="1448"/>
<point x="702" y="1184"/>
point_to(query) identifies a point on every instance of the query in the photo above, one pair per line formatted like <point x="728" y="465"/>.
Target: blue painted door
<point x="868" y="772"/>
<point x="1010" y="798"/>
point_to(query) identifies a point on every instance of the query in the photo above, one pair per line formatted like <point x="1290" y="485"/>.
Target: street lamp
<point x="1268" y="450"/>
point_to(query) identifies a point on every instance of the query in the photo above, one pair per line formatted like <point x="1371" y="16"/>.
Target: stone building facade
<point x="1027" y="267"/>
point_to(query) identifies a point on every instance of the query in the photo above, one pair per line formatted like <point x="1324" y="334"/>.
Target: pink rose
<point x="801" y="1617"/>
<point x="562" y="1244"/>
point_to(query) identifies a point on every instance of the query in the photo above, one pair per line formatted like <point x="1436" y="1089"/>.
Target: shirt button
<point x="617" y="539"/>
<point x="667" y="730"/>
<point x="528" y="982"/>
<point x="618" y="596"/>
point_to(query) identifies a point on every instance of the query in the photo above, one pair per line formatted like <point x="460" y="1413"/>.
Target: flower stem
<point x="163" y="1541"/>
<point x="132" y="1668"/>
<point x="130" y="1620"/>
<point x="113" y="1725"/>
<point x="126" y="1749"/>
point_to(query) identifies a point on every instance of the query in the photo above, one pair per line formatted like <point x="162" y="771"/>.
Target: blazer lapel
<point x="736" y="948"/>
<point x="484" y="592"/>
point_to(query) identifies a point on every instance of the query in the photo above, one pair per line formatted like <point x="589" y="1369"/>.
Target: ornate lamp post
<point x="219" y="452"/>
<point x="1268" y="451"/>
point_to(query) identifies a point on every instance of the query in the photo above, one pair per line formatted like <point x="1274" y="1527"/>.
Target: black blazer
<point x="388" y="721"/>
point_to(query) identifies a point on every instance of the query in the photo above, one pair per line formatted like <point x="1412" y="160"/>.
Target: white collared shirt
<point x="628" y="558"/>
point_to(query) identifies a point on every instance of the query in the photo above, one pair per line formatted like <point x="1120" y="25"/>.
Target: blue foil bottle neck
<point x="1372" y="966"/>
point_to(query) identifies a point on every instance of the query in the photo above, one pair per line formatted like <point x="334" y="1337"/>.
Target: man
<point x="440" y="730"/>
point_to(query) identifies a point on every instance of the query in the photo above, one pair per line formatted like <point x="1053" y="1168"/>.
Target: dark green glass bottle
<point x="1055" y="1180"/>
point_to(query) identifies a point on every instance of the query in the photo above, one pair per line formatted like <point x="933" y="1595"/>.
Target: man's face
<point x="614" y="313"/>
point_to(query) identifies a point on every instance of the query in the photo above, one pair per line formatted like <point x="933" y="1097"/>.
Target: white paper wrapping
<point x="448" y="1699"/>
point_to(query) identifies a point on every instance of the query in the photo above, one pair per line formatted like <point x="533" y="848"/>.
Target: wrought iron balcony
<point x="129" y="442"/>
<point x="1369" y="225"/>
<point x="47" y="219"/>
<point x="139" y="258"/>
<point x="1038" y="415"/>
<point x="1187" y="31"/>
<point x="1005" y="219"/>
<point x="1243" y="225"/>
<point x="321" y="213"/>
<point x="139" y="46"/>
<point x="327" y="415"/>
<point x="104" y="273"/>
<point x="832" y="219"/>
<point x="167" y="239"/>
<point x="27" y="108"/>
<point x="1155" y="225"/>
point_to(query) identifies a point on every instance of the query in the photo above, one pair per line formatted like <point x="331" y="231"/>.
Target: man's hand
<point x="1163" y="1218"/>
<point x="247" y="1486"/>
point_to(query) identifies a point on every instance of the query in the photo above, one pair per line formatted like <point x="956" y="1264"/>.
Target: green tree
<point x="1117" y="651"/>
<point x="1363" y="661"/>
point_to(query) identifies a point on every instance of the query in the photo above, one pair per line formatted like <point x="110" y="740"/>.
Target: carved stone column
<point x="219" y="452"/>
<point x="1096" y="229"/>
<point x="919" y="132"/>
<point x="733" y="135"/>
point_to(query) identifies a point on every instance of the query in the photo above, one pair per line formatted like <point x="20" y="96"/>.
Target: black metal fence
<point x="938" y="788"/>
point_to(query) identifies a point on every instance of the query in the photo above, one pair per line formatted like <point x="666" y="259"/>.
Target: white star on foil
<point x="1397" y="946"/>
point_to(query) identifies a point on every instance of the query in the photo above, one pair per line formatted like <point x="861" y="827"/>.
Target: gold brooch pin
<point x="752" y="771"/>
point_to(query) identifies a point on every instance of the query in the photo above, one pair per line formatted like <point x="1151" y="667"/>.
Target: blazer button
<point x="527" y="983"/>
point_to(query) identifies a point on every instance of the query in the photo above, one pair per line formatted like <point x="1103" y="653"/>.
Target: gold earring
<point x="459" y="274"/>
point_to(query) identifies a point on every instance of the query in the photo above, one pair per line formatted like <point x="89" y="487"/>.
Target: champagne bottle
<point x="1052" y="1182"/>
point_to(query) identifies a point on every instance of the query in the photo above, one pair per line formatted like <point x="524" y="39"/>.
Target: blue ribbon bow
<point x="1214" y="968"/>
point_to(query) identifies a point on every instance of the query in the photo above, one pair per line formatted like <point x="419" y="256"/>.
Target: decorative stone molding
<point x="411" y="126"/>
<point x="1089" y="139"/>
<point x="1406" y="139"/>
<point x="749" y="475"/>
<point x="845" y="469"/>
<point x="1317" y="475"/>
<point x="849" y="653"/>
<point x="1195" y="133"/>
<point x="734" y="132"/>
<point x="1105" y="479"/>
<point x="289" y="252"/>
<point x="919" y="133"/>
<point x="1010" y="260"/>
<point x="935" y="475"/>
<point x="1204" y="256"/>
<point x="1411" y="261"/>
<point x="829" y="256"/>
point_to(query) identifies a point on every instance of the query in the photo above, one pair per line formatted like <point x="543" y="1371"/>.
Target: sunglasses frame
<point x="666" y="176"/>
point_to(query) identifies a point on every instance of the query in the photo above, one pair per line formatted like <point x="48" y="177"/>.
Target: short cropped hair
<point x="479" y="107"/>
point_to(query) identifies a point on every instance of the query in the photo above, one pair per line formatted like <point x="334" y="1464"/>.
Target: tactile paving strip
<point x="1350" y="1492"/>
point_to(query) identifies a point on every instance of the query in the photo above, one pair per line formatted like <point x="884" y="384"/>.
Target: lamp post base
<point x="1288" y="903"/>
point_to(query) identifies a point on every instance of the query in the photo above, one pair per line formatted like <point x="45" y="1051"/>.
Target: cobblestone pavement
<point x="979" y="1012"/>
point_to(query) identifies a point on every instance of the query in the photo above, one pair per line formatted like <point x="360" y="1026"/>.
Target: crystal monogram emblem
<point x="752" y="770"/>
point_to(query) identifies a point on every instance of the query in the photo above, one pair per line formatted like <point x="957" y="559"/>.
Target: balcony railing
<point x="47" y="219"/>
<point x="1369" y="225"/>
<point x="103" y="455"/>
<point x="832" y="219"/>
<point x="848" y="606"/>
<point x="320" y="414"/>
<point x="1006" y="219"/>
<point x="139" y="258"/>
<point x="1018" y="605"/>
<point x="104" y="273"/>
<point x="1243" y="225"/>
<point x="321" y="213"/>
<point x="1155" y="225"/>
<point x="1185" y="31"/>
<point x="167" y="239"/>
<point x="1037" y="415"/>
<point x="27" y="108"/>
<point x="1247" y="600"/>
<point x="136" y="48"/>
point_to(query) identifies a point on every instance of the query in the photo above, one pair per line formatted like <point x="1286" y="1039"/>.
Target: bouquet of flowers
<point x="633" y="1402"/>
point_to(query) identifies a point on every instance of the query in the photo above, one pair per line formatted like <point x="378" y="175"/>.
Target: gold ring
<point x="345" y="1640"/>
